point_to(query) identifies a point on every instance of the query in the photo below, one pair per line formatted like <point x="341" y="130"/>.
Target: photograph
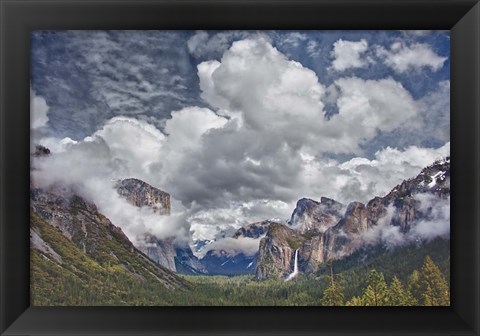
<point x="239" y="167"/>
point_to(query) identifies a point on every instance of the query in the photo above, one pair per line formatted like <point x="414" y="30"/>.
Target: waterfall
<point x="295" y="268"/>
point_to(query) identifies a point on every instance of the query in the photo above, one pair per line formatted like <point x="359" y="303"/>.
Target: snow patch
<point x="434" y="179"/>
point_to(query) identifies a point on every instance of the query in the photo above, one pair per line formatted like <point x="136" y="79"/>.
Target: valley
<point x="328" y="253"/>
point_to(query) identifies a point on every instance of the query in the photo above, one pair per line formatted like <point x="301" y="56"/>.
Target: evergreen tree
<point x="434" y="287"/>
<point x="398" y="295"/>
<point x="333" y="295"/>
<point x="355" y="301"/>
<point x="414" y="285"/>
<point x="376" y="293"/>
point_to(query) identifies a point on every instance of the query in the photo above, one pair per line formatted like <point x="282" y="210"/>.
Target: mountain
<point x="222" y="263"/>
<point x="219" y="262"/>
<point x="313" y="216"/>
<point x="166" y="251"/>
<point x="253" y="230"/>
<point x="323" y="233"/>
<point x="187" y="263"/>
<point x="140" y="193"/>
<point x="74" y="248"/>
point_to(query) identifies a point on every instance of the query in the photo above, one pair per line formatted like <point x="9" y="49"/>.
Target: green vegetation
<point x="399" y="262"/>
<point x="109" y="273"/>
<point x="294" y="243"/>
<point x="431" y="289"/>
<point x="79" y="278"/>
<point x="333" y="294"/>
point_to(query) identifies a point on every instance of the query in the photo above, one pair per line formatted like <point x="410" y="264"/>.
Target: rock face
<point x="316" y="217"/>
<point x="69" y="231"/>
<point x="254" y="230"/>
<point x="140" y="193"/>
<point x="187" y="263"/>
<point x="161" y="251"/>
<point x="165" y="251"/>
<point x="41" y="151"/>
<point x="324" y="232"/>
<point x="277" y="251"/>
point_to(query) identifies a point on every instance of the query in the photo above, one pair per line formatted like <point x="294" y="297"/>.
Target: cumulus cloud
<point x="205" y="44"/>
<point x="367" y="107"/>
<point x="360" y="178"/>
<point x="262" y="145"/>
<point x="38" y="110"/>
<point x="403" y="57"/>
<point x="257" y="83"/>
<point x="349" y="54"/>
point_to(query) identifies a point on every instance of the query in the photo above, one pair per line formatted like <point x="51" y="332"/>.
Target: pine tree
<point x="355" y="301"/>
<point x="434" y="287"/>
<point x="333" y="294"/>
<point x="414" y="285"/>
<point x="376" y="293"/>
<point x="398" y="295"/>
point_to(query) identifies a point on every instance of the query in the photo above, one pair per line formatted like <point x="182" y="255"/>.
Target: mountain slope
<point x="78" y="257"/>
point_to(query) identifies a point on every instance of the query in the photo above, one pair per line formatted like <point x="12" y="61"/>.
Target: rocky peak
<point x="254" y="230"/>
<point x="41" y="151"/>
<point x="355" y="219"/>
<point x="432" y="179"/>
<point x="316" y="217"/>
<point x="331" y="204"/>
<point x="140" y="193"/>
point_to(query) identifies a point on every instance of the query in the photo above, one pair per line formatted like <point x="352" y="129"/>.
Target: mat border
<point x="19" y="17"/>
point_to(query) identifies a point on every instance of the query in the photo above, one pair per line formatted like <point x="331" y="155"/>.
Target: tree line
<point x="425" y="287"/>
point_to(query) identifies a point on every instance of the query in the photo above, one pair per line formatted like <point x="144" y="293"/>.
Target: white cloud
<point x="402" y="57"/>
<point x="368" y="106"/>
<point x="361" y="179"/>
<point x="438" y="221"/>
<point x="261" y="150"/>
<point x="349" y="54"/>
<point x="56" y="145"/>
<point x="203" y="44"/>
<point x="435" y="113"/>
<point x="233" y="246"/>
<point x="275" y="95"/>
<point x="312" y="48"/>
<point x="255" y="78"/>
<point x="186" y="126"/>
<point x="38" y="111"/>
<point x="293" y="39"/>
<point x="435" y="223"/>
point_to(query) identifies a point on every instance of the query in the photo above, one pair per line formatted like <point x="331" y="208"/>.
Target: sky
<point x="236" y="125"/>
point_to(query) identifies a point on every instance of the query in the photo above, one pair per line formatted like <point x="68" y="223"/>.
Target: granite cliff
<point x="327" y="230"/>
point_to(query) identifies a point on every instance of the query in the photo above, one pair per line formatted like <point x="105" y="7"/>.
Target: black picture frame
<point x="19" y="17"/>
